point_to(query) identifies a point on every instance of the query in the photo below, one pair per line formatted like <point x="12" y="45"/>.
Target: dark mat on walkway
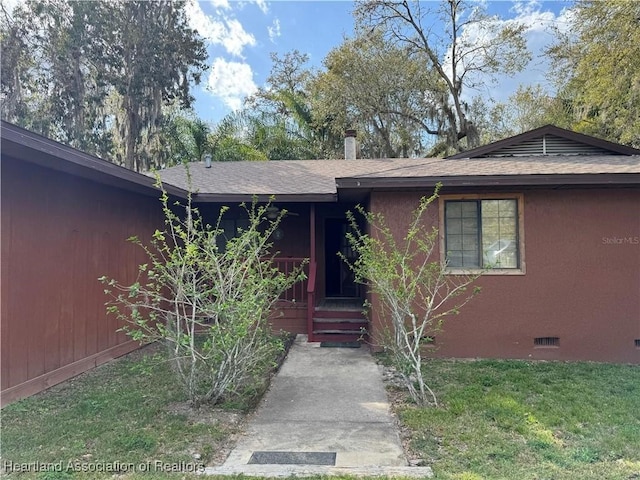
<point x="293" y="458"/>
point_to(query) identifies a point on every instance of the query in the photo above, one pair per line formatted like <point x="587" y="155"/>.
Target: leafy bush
<point x="208" y="299"/>
<point x="415" y="292"/>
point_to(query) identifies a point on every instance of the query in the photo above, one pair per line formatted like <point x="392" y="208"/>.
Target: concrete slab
<point x="324" y="400"/>
<point x="355" y="444"/>
<point x="288" y="471"/>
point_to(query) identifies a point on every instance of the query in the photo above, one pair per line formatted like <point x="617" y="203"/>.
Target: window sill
<point x="492" y="271"/>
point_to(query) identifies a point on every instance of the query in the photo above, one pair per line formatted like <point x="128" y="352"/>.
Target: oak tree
<point x="380" y="89"/>
<point x="597" y="69"/>
<point x="97" y="75"/>
<point x="459" y="41"/>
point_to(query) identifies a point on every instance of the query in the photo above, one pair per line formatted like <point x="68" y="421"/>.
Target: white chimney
<point x="350" y="145"/>
<point x="207" y="160"/>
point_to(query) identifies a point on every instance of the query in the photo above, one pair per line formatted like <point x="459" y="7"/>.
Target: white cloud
<point x="223" y="30"/>
<point x="231" y="81"/>
<point x="523" y="8"/>
<point x="538" y="35"/>
<point x="262" y="4"/>
<point x="274" y="30"/>
<point x="219" y="3"/>
<point x="237" y="38"/>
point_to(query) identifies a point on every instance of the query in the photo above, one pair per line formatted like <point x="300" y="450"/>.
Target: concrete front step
<point x="343" y="319"/>
<point x="337" y="337"/>
<point x="355" y="326"/>
<point x="301" y="471"/>
<point x="338" y="314"/>
<point x="339" y="325"/>
<point x="339" y="332"/>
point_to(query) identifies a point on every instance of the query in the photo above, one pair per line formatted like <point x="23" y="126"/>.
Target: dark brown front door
<point x="339" y="278"/>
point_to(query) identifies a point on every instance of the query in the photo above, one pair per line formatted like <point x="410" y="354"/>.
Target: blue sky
<point x="242" y="62"/>
<point x="242" y="34"/>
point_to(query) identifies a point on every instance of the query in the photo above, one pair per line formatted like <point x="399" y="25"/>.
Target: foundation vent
<point x="637" y="342"/>
<point x="546" y="342"/>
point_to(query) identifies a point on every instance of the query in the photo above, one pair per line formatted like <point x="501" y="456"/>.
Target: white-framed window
<point x="482" y="232"/>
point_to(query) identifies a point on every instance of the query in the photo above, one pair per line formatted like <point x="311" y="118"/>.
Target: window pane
<point x="454" y="259"/>
<point x="508" y="228"/>
<point x="462" y="233"/>
<point x="490" y="208"/>
<point x="490" y="230"/>
<point x="470" y="243"/>
<point x="507" y="208"/>
<point x="470" y="259"/>
<point x="454" y="242"/>
<point x="454" y="226"/>
<point x="454" y="210"/>
<point x="501" y="254"/>
<point x="499" y="234"/>
<point x="469" y="209"/>
<point x="470" y="226"/>
<point x="507" y="258"/>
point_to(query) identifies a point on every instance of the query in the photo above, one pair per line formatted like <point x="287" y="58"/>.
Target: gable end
<point x="547" y="145"/>
<point x="548" y="140"/>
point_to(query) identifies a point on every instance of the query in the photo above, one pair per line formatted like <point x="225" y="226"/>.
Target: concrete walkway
<point x="330" y="401"/>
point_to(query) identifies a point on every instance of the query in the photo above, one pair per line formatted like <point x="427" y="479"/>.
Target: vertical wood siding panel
<point x="6" y="225"/>
<point x="18" y="353"/>
<point x="33" y="273"/>
<point x="100" y="251"/>
<point x="59" y="234"/>
<point x="68" y="333"/>
<point x="102" y="261"/>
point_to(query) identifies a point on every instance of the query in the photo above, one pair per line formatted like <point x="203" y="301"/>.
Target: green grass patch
<point x="121" y="417"/>
<point x="529" y="420"/>
<point x="498" y="420"/>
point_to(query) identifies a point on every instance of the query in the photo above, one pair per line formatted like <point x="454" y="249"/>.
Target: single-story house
<point x="552" y="215"/>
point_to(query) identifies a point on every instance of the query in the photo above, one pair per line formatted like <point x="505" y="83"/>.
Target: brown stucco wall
<point x="60" y="233"/>
<point x="582" y="280"/>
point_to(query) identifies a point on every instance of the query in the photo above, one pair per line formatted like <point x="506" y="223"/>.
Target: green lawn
<point x="529" y="420"/>
<point x="498" y="420"/>
<point x="128" y="411"/>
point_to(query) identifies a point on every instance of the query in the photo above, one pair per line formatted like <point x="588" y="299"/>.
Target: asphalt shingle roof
<point x="299" y="177"/>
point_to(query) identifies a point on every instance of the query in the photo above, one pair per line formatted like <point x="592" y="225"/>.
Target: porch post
<point x="312" y="233"/>
<point x="311" y="281"/>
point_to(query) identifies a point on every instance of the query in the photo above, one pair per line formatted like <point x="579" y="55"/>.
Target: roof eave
<point x="492" y="180"/>
<point x="30" y="147"/>
<point x="242" y="197"/>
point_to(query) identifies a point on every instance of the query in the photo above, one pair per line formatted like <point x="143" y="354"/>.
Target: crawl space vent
<point x="546" y="342"/>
